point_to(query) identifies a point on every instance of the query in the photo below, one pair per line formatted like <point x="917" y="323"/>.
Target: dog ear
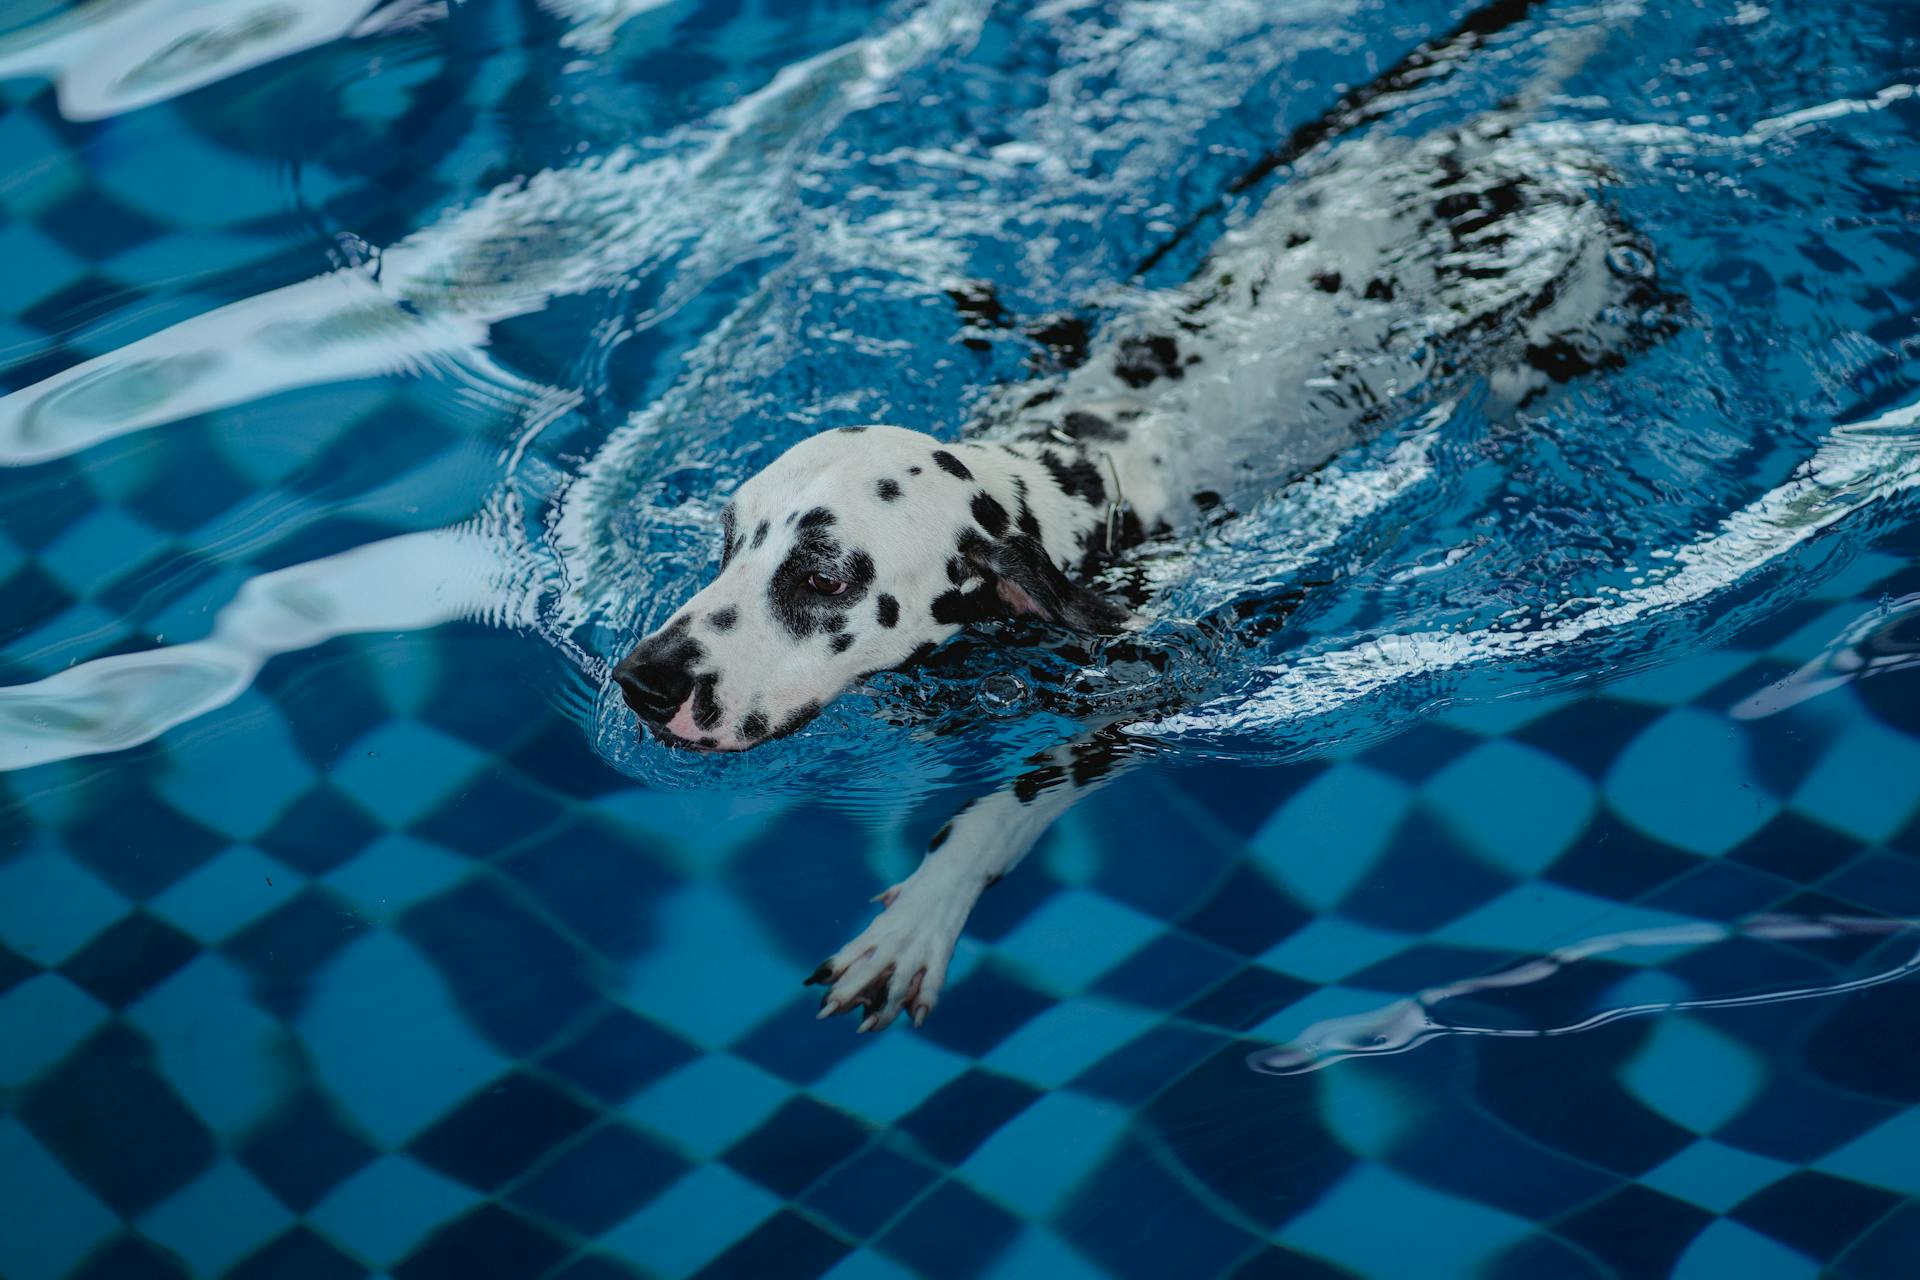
<point x="1032" y="586"/>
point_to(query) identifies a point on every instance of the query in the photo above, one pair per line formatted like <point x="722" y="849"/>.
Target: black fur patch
<point x="1327" y="282"/>
<point x="951" y="465"/>
<point x="723" y="619"/>
<point x="841" y="643"/>
<point x="939" y="837"/>
<point x="888" y="489"/>
<point x="1066" y="338"/>
<point x="796" y="721"/>
<point x="1380" y="290"/>
<point x="849" y="431"/>
<point x="818" y="518"/>
<point x="727" y="543"/>
<point x="958" y="570"/>
<point x="886" y="610"/>
<point x="754" y="726"/>
<point x="760" y="533"/>
<point x="1077" y="479"/>
<point x="706" y="709"/>
<point x="1028" y="786"/>
<point x="1090" y="426"/>
<point x="961" y="607"/>
<point x="990" y="514"/>
<point x="913" y="471"/>
<point x="1142" y="360"/>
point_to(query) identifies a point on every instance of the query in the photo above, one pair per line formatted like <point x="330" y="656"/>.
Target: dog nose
<point x="654" y="690"/>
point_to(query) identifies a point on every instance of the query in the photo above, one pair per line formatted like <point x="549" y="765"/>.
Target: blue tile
<point x="1815" y="1213"/>
<point x="489" y="1241"/>
<point x="214" y="1045"/>
<point x="709" y="1104"/>
<point x="392" y="874"/>
<point x="864" y="1192"/>
<point x="959" y="1116"/>
<point x="1514" y="806"/>
<point x="864" y="1265"/>
<point x="597" y="881"/>
<point x="618" y="1053"/>
<point x="700" y="930"/>
<point x="1863" y="784"/>
<point x="285" y="948"/>
<point x="1073" y="939"/>
<point x="218" y="1220"/>
<point x="1036" y="1252"/>
<point x="1726" y="1248"/>
<point x="1376" y="1222"/>
<point x="1032" y="1164"/>
<point x="40" y="1020"/>
<point x="227" y="893"/>
<point x="786" y="1245"/>
<point x="796" y="1146"/>
<point x="1166" y="973"/>
<point x="1066" y="1040"/>
<point x="403" y="770"/>
<point x="48" y="1221"/>
<point x="298" y="1254"/>
<point x="889" y="1077"/>
<point x="128" y="958"/>
<point x="500" y="1131"/>
<point x="952" y="1234"/>
<point x="1181" y="1236"/>
<point x="1323" y="840"/>
<point x="304" y="1150"/>
<point x="1635" y="1229"/>
<point x="50" y="906"/>
<point x="1692" y="1074"/>
<point x="1329" y="948"/>
<point x="1708" y="807"/>
<point x="691" y="1223"/>
<point x="1244" y="913"/>
<point x="247" y="739"/>
<point x="982" y="1008"/>
<point x="601" y="1179"/>
<point x="383" y="1212"/>
<point x="1717" y="1177"/>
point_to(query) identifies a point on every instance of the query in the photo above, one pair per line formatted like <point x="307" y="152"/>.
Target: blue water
<point x="1533" y="903"/>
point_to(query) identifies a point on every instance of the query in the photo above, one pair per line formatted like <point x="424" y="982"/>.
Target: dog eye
<point x="821" y="584"/>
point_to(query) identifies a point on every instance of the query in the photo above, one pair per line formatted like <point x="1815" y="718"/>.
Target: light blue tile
<point x="863" y="1264"/>
<point x="386" y="1038"/>
<point x="1718" y="1177"/>
<point x="227" y="188"/>
<point x="403" y="770"/>
<point x="393" y="873"/>
<point x="51" y="906"/>
<point x="1692" y="1074"/>
<point x="1384" y="1226"/>
<point x="1365" y="1109"/>
<point x="1074" y="938"/>
<point x="1885" y="1156"/>
<point x="98" y="548"/>
<point x="1065" y="1040"/>
<point x="217" y="1219"/>
<point x="1727" y="1249"/>
<point x="37" y="267"/>
<point x="1514" y="806"/>
<point x="1539" y="916"/>
<point x="11" y="556"/>
<point x="48" y="1221"/>
<point x="226" y="893"/>
<point x="1686" y="780"/>
<point x="710" y="1103"/>
<point x="1034" y="1161"/>
<point x="889" y="1076"/>
<point x="1326" y="836"/>
<point x="216" y="1047"/>
<point x="1330" y="947"/>
<point x="699" y="830"/>
<point x="1865" y="574"/>
<point x="40" y="1020"/>
<point x="710" y="973"/>
<point x="382" y="1212"/>
<point x="1866" y="784"/>
<point x="246" y="739"/>
<point x="691" y="1222"/>
<point x="43" y="168"/>
<point x="1039" y="1254"/>
<point x="1676" y="683"/>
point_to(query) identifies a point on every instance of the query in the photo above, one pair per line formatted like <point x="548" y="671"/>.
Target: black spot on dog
<point x="1297" y="238"/>
<point x="1206" y="499"/>
<point x="886" y="610"/>
<point x="951" y="465"/>
<point x="1141" y="360"/>
<point x="1026" y="521"/>
<point x="976" y="301"/>
<point x="1066" y="338"/>
<point x="834" y="623"/>
<point x="841" y="643"/>
<point x="1327" y="282"/>
<point x="723" y="619"/>
<point x="958" y="570"/>
<point x="795" y="722"/>
<point x="818" y="518"/>
<point x="1562" y="361"/>
<point x="959" y="608"/>
<point x="754" y="726"/>
<point x="707" y="740"/>
<point x="888" y="489"/>
<point x="1091" y="426"/>
<point x="706" y="709"/>
<point x="1380" y="290"/>
<point x="728" y="544"/>
<point x="1028" y="786"/>
<point x="939" y="838"/>
<point x="990" y="514"/>
<point x="760" y="533"/>
<point x="1077" y="479"/>
<point x="859" y="572"/>
<point x="849" y="431"/>
<point x="913" y="471"/>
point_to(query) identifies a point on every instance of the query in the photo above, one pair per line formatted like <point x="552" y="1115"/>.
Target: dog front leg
<point x="899" y="963"/>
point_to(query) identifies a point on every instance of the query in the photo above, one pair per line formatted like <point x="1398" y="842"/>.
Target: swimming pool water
<point x="370" y="372"/>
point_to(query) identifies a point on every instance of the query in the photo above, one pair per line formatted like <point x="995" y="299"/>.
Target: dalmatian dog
<point x="1386" y="266"/>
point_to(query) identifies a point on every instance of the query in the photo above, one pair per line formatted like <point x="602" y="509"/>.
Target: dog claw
<point x="821" y="976"/>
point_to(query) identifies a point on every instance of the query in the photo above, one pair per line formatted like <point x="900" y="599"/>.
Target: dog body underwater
<point x="1391" y="267"/>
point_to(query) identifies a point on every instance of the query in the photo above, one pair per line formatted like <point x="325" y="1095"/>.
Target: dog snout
<point x="653" y="687"/>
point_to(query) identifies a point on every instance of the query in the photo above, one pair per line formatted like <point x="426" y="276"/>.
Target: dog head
<point x="850" y="553"/>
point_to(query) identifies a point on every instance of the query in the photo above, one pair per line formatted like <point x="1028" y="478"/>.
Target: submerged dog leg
<point x="899" y="963"/>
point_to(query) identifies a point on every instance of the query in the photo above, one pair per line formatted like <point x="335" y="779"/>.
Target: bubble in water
<point x="1629" y="262"/>
<point x="1003" y="693"/>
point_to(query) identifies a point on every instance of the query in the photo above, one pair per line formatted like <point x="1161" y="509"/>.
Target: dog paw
<point x="897" y="965"/>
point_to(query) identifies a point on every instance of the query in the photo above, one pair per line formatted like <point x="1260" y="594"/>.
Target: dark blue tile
<point x="1179" y="1237"/>
<point x="1428" y="964"/>
<point x="1543" y="1256"/>
<point x="1458" y="1150"/>
<point x="1814" y="1213"/>
<point x="952" y="1234"/>
<point x="1795" y="849"/>
<point x="130" y="1257"/>
<point x="319" y="831"/>
<point x="1244" y="913"/>
<point x="1422" y="881"/>
<point x="33" y="600"/>
<point x="1590" y="733"/>
<point x="1885" y="1251"/>
<point x="1797" y="1118"/>
<point x="328" y="696"/>
<point x="1277" y="1262"/>
<point x="600" y="1180"/>
<point x="801" y="881"/>
<point x="595" y="1266"/>
<point x="785" y="1245"/>
<point x="512" y="711"/>
<point x="1155" y="861"/>
<point x="284" y="948"/>
<point x="46" y="502"/>
<point x="1167" y="972"/>
<point x="203" y="485"/>
<point x="1419" y="751"/>
<point x="598" y="881"/>
<point x="618" y="1054"/>
<point x="983" y="1009"/>
<point x="1246" y="999"/>
<point x="499" y="1133"/>
<point x="135" y="841"/>
<point x="788" y="1043"/>
<point x="862" y="1194"/>
<point x="128" y="959"/>
<point x="297" y="1255"/>
<point x="1611" y="860"/>
<point x="1205" y="1119"/>
<point x="1148" y="1063"/>
<point x="14" y="969"/>
<point x="304" y="1150"/>
<point x="1241" y="797"/>
<point x="517" y="981"/>
<point x="1720" y="891"/>
<point x="1636" y="1230"/>
<point x="559" y="756"/>
<point x="965" y="1112"/>
<point x="1879" y="882"/>
<point x="490" y="1241"/>
<point x="796" y="1145"/>
<point x="498" y="811"/>
<point x="109" y="1117"/>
